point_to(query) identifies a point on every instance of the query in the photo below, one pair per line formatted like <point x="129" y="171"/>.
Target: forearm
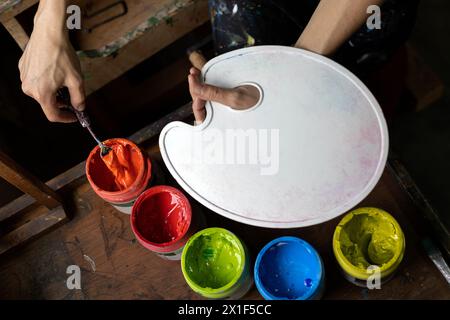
<point x="49" y="63"/>
<point x="333" y="22"/>
<point x="51" y="14"/>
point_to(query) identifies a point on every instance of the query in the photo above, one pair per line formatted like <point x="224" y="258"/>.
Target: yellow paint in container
<point x="368" y="237"/>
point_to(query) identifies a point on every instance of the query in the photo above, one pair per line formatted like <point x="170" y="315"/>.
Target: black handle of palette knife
<point x="83" y="118"/>
<point x="64" y="96"/>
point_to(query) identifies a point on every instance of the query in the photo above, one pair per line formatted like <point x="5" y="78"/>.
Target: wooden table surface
<point x="114" y="266"/>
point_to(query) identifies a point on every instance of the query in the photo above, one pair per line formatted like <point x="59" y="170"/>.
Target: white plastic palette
<point x="315" y="145"/>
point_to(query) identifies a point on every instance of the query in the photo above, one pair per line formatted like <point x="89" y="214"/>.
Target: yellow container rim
<point x="387" y="268"/>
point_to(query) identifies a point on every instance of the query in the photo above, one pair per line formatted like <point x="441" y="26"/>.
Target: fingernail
<point x="81" y="107"/>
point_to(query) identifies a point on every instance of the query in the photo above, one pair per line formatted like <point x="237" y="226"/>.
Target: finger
<point x="205" y="91"/>
<point x="240" y="98"/>
<point x="198" y="105"/>
<point x="191" y="81"/>
<point x="213" y="93"/>
<point x="51" y="109"/>
<point x="77" y="94"/>
<point x="245" y="97"/>
<point x="194" y="71"/>
<point x="198" y="108"/>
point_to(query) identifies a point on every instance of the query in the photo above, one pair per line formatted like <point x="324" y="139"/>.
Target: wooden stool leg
<point x="28" y="183"/>
<point x="16" y="30"/>
<point x="42" y="194"/>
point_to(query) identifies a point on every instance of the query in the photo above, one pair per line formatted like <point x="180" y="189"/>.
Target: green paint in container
<point x="216" y="264"/>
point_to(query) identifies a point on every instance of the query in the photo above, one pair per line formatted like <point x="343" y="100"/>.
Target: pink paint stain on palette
<point x="326" y="141"/>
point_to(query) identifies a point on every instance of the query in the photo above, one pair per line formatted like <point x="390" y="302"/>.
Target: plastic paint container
<point x="216" y="264"/>
<point x="368" y="237"/>
<point x="102" y="180"/>
<point x="161" y="220"/>
<point x="289" y="268"/>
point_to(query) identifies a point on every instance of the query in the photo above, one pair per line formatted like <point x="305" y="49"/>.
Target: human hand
<point x="49" y="62"/>
<point x="239" y="98"/>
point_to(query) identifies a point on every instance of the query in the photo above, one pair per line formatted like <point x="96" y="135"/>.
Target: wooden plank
<point x="16" y="8"/>
<point x="141" y="16"/>
<point x="27" y="183"/>
<point x="32" y="229"/>
<point x="99" y="71"/>
<point x="55" y="184"/>
<point x="15" y="206"/>
<point x="7" y="4"/>
<point x="17" y="32"/>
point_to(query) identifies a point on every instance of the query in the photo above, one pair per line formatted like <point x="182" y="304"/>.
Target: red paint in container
<point x="121" y="176"/>
<point x="161" y="221"/>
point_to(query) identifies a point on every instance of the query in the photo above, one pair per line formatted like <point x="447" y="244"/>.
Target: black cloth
<point x="242" y="23"/>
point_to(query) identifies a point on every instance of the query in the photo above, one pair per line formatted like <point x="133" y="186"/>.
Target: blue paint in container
<point x="289" y="268"/>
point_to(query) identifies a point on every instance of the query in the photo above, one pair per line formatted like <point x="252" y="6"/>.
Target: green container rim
<point x="206" y="290"/>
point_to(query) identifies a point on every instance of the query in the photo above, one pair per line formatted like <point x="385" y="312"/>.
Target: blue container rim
<point x="316" y="285"/>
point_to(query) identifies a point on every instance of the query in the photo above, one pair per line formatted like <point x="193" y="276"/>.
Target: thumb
<point x="198" y="108"/>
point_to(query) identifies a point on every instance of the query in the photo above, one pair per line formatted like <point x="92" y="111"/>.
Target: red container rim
<point x="166" y="246"/>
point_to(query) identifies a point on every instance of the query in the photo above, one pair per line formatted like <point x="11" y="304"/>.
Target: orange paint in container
<point x="120" y="176"/>
<point x="123" y="162"/>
